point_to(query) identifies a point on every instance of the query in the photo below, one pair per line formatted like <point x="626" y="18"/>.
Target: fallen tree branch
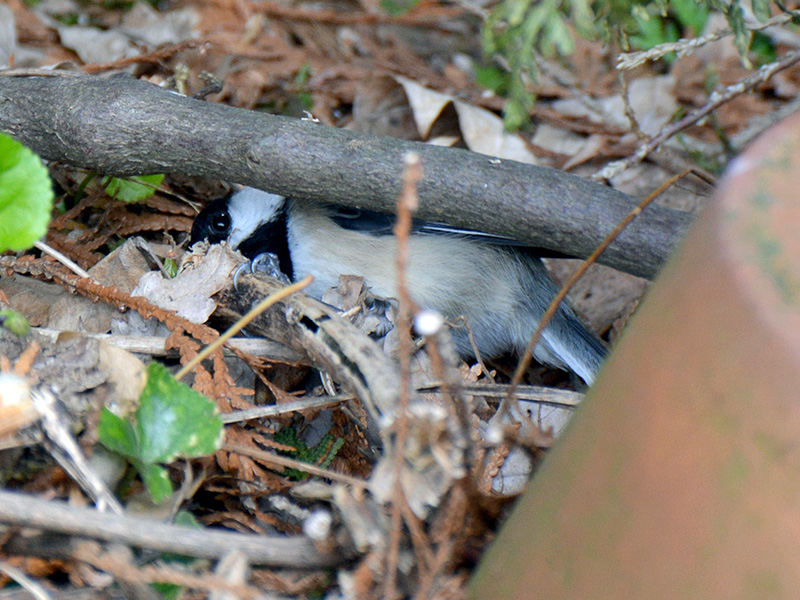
<point x="24" y="510"/>
<point x="123" y="126"/>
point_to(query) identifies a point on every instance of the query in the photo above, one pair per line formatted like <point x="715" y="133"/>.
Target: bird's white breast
<point x="455" y="276"/>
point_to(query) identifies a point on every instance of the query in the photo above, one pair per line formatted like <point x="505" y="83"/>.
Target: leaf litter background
<point x="350" y="65"/>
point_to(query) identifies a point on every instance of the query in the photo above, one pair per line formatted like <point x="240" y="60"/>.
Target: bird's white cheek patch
<point x="237" y="237"/>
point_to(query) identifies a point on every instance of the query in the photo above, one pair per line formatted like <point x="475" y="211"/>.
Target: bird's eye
<point x="221" y="224"/>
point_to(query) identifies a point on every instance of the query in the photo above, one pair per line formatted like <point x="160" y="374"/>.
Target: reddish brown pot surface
<point x="680" y="475"/>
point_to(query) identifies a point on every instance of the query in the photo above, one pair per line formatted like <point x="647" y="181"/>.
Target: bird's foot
<point x="266" y="263"/>
<point x="380" y="315"/>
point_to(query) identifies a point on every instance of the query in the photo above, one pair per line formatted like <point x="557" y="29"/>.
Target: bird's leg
<point x="266" y="263"/>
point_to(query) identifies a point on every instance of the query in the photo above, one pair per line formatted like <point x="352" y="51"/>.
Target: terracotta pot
<point x="680" y="475"/>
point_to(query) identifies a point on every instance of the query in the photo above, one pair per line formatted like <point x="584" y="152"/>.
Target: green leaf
<point x="653" y="29"/>
<point x="172" y="420"/>
<point x="516" y="112"/>
<point x="322" y="454"/>
<point x="187" y="519"/>
<point x="764" y="49"/>
<point x="691" y="14"/>
<point x="516" y="9"/>
<point x="741" y="35"/>
<point x="761" y="9"/>
<point x="559" y="36"/>
<point x="133" y="189"/>
<point x="395" y="8"/>
<point x="117" y="434"/>
<point x="26" y="196"/>
<point x="168" y="591"/>
<point x="303" y="75"/>
<point x="583" y="17"/>
<point x="735" y="17"/>
<point x="171" y="266"/>
<point x="492" y="78"/>
<point x="15" y="322"/>
<point x="331" y="446"/>
<point x="156" y="479"/>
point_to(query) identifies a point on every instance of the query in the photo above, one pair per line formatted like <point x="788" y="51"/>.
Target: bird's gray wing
<point x="377" y="223"/>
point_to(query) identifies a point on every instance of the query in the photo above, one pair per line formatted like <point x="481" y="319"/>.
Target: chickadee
<point x="502" y="290"/>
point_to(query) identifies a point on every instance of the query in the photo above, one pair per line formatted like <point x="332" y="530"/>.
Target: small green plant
<point x="26" y="196"/>
<point x="492" y="78"/>
<point x="658" y="25"/>
<point x="398" y="7"/>
<point x="132" y="189"/>
<point x="691" y="16"/>
<point x="69" y="19"/>
<point x="172" y="421"/>
<point x="303" y="95"/>
<point x="321" y="455"/>
<point x="171" y="265"/>
<point x="763" y="50"/>
<point x="15" y="322"/>
<point x="515" y="30"/>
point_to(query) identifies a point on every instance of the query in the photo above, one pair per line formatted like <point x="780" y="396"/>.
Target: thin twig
<point x="436" y="566"/>
<point x="532" y="393"/>
<point x="156" y="345"/>
<point x="62" y="258"/>
<point x="65" y="449"/>
<point x="259" y="412"/>
<point x="406" y="204"/>
<point x="422" y="545"/>
<point x="285" y="461"/>
<point x="34" y="72"/>
<point x="148" y="58"/>
<point x="34" y="588"/>
<point x="629" y="113"/>
<point x="123" y="569"/>
<point x="476" y="351"/>
<point x="716" y="100"/>
<point x="244" y="322"/>
<point x="451" y="388"/>
<point x="682" y="47"/>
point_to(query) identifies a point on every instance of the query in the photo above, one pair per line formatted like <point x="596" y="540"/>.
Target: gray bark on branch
<point x="295" y="552"/>
<point x="123" y="126"/>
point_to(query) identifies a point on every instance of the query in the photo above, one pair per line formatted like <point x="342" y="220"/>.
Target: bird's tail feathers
<point x="566" y="342"/>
